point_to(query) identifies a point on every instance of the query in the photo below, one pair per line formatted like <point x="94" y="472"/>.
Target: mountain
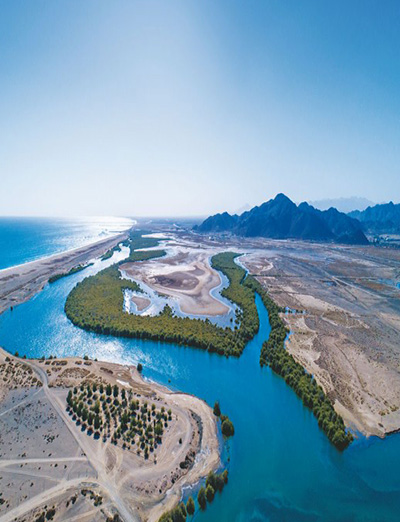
<point x="379" y="219"/>
<point x="345" y="205"/>
<point x="280" y="218"/>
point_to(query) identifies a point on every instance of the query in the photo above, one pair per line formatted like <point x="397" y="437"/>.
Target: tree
<point x="190" y="507"/>
<point x="115" y="391"/>
<point x="227" y="428"/>
<point x="217" y="409"/>
<point x="139" y="368"/>
<point x="210" y="493"/>
<point x="108" y="389"/>
<point x="201" y="498"/>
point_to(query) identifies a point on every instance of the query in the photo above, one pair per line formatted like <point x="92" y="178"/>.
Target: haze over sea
<point x="24" y="239"/>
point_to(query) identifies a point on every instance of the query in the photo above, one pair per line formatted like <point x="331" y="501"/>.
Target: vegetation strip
<point x="73" y="270"/>
<point x="215" y="482"/>
<point x="274" y="355"/>
<point x="96" y="304"/>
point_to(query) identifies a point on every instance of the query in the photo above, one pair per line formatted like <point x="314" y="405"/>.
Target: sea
<point x="24" y="239"/>
<point x="281" y="466"/>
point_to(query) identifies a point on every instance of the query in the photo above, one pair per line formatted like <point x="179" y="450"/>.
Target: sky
<point x="178" y="108"/>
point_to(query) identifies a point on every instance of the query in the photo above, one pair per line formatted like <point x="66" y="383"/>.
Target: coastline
<point x="142" y="493"/>
<point x="21" y="282"/>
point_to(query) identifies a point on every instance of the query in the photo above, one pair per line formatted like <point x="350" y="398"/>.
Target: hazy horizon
<point x="340" y="203"/>
<point x="187" y="108"/>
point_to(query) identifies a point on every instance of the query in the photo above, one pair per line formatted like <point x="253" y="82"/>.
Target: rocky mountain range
<point x="280" y="218"/>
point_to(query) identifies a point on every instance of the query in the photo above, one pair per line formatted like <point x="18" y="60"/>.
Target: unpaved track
<point x="40" y="499"/>
<point x="96" y="462"/>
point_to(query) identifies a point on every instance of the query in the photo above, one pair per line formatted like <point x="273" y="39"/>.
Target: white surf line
<point x="64" y="252"/>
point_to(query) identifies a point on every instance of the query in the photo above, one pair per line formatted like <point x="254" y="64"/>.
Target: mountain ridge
<point x="280" y="218"/>
<point x="381" y="218"/>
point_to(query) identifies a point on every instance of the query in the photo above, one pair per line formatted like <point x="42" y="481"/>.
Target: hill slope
<point x="280" y="218"/>
<point x="384" y="218"/>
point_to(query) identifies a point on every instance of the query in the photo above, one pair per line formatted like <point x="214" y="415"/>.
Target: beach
<point x="20" y="283"/>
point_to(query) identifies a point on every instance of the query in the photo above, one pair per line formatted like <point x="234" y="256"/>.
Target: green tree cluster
<point x="177" y="514"/>
<point x="274" y="355"/>
<point x="73" y="270"/>
<point x="118" y="416"/>
<point x="96" y="304"/>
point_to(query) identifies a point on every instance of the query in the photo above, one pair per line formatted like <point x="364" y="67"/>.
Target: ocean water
<point x="281" y="466"/>
<point x="27" y="239"/>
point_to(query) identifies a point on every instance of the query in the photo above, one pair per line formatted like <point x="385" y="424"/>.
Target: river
<point x="281" y="465"/>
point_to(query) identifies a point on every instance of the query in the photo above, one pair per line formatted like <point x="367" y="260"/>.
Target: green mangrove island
<point x="96" y="304"/>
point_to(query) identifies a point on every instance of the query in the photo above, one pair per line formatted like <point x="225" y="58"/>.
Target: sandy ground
<point x="349" y="333"/>
<point x="184" y="274"/>
<point x="141" y="302"/>
<point x="20" y="283"/>
<point x="47" y="461"/>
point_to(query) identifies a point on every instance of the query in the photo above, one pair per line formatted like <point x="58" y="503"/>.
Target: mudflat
<point x="184" y="274"/>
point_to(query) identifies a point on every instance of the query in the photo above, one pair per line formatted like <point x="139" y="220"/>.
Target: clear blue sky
<point x="191" y="107"/>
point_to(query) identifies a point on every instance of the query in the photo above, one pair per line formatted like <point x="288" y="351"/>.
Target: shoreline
<point x="63" y="252"/>
<point x="21" y="282"/>
<point x="143" y="493"/>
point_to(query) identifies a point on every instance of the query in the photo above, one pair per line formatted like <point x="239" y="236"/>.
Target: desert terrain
<point x="348" y="330"/>
<point x="51" y="466"/>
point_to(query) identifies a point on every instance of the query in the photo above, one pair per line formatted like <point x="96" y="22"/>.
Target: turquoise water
<point x="282" y="467"/>
<point x="27" y="239"/>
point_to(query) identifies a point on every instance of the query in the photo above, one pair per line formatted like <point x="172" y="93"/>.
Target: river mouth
<point x="281" y="465"/>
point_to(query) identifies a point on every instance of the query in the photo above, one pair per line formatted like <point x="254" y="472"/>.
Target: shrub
<point x="210" y="493"/>
<point x="201" y="498"/>
<point x="190" y="507"/>
<point x="227" y="428"/>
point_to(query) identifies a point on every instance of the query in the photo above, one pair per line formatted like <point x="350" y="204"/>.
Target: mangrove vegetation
<point x="73" y="270"/>
<point x="274" y="355"/>
<point x="96" y="304"/>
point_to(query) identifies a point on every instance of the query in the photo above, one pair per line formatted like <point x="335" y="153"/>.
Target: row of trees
<point x="274" y="355"/>
<point x="73" y="270"/>
<point x="238" y="293"/>
<point x="215" y="482"/>
<point x="117" y="415"/>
